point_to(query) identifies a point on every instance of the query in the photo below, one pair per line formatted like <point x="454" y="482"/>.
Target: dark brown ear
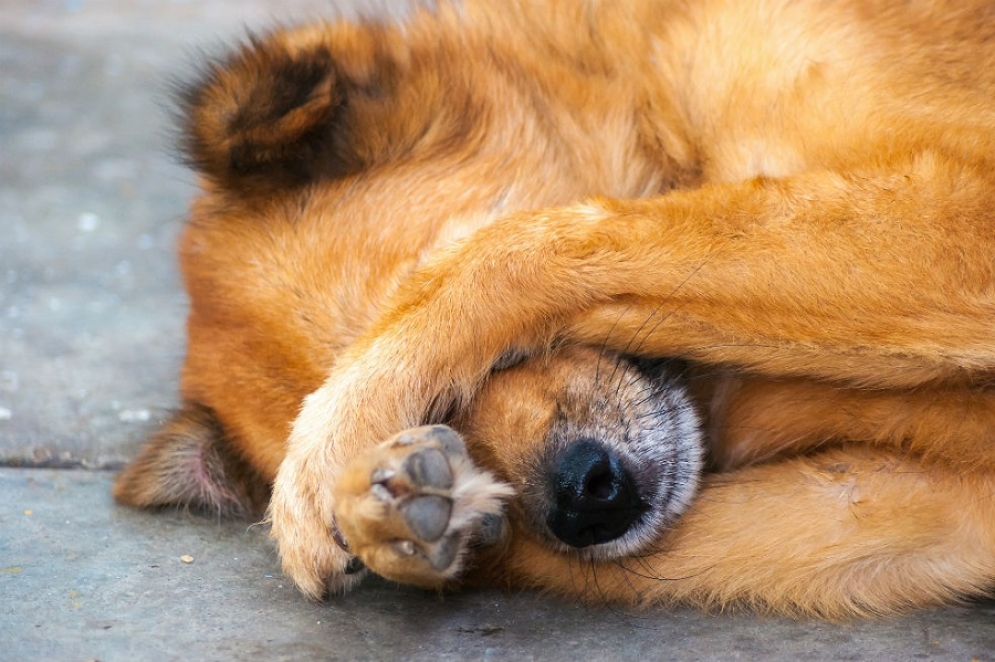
<point x="280" y="110"/>
<point x="188" y="464"/>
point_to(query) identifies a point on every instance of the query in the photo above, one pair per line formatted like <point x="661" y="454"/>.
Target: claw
<point x="382" y="475"/>
<point x="338" y="537"/>
<point x="405" y="439"/>
<point x="381" y="493"/>
<point x="354" y="565"/>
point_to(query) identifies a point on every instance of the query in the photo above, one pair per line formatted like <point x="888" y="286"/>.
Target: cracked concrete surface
<point x="91" y="338"/>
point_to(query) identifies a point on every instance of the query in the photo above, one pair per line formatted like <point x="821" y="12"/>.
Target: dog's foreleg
<point x="844" y="533"/>
<point x="754" y="419"/>
<point x="878" y="277"/>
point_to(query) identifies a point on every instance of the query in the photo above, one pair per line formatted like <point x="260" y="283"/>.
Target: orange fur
<point x="796" y="197"/>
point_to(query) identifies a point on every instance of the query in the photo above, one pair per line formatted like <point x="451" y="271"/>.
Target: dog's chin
<point x="611" y="484"/>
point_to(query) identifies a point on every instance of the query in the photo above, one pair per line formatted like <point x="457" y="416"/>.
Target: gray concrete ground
<point x="91" y="320"/>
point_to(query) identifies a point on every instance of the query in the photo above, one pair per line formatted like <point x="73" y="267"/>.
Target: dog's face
<point x="604" y="451"/>
<point x="333" y="167"/>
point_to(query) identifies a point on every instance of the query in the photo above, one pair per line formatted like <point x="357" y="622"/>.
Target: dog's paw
<point x="302" y="525"/>
<point x="411" y="507"/>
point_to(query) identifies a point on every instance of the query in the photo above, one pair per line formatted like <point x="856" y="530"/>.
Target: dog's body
<point x="804" y="208"/>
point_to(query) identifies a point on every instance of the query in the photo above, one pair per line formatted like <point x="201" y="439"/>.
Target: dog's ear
<point x="190" y="464"/>
<point x="287" y="109"/>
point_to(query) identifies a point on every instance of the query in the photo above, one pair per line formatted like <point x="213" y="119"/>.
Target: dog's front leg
<point x="879" y="277"/>
<point x="843" y="533"/>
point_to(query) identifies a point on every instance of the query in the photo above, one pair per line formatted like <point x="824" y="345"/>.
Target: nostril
<point x="588" y="472"/>
<point x="598" y="484"/>
<point x="596" y="499"/>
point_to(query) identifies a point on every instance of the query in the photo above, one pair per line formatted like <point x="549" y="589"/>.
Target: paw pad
<point x="429" y="468"/>
<point x="418" y="492"/>
<point x="427" y="516"/>
<point x="423" y="505"/>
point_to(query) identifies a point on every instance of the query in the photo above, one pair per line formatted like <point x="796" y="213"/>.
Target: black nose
<point x="596" y="498"/>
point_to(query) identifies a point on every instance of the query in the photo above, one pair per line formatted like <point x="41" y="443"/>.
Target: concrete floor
<point x="91" y="337"/>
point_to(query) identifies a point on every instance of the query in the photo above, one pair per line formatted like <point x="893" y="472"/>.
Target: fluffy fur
<point x="798" y="198"/>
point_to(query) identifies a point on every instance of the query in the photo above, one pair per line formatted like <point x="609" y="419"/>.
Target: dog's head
<point x="344" y="147"/>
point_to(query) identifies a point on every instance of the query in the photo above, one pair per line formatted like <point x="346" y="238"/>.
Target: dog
<point x="769" y="222"/>
<point x="258" y="343"/>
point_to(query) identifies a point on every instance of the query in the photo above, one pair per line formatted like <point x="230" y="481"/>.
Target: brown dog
<point x="278" y="288"/>
<point x="804" y="208"/>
